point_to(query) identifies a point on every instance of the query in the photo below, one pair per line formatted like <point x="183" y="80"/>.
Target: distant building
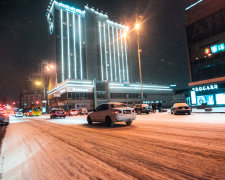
<point x="33" y="95"/>
<point x="91" y="54"/>
<point x="205" y="28"/>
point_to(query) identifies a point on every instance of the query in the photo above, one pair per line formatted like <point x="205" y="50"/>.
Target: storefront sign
<point x="81" y="90"/>
<point x="205" y="88"/>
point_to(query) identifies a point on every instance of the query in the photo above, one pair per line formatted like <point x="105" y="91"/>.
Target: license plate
<point x="127" y="112"/>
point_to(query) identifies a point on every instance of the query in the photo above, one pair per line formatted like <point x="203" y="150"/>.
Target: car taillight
<point x="133" y="111"/>
<point x="5" y="115"/>
<point x="117" y="112"/>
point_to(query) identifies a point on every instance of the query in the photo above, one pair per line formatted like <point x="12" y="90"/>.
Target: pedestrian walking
<point x="159" y="106"/>
<point x="153" y="107"/>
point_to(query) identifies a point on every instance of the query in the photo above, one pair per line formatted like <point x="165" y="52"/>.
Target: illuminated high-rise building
<point x="91" y="53"/>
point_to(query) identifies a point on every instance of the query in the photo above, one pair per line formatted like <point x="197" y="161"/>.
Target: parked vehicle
<point x="36" y="111"/>
<point x="142" y="108"/>
<point x="28" y="112"/>
<point x="180" y="108"/>
<point x="19" y="114"/>
<point x="4" y="117"/>
<point x="57" y="113"/>
<point x="83" y="111"/>
<point x="73" y="112"/>
<point x="112" y="112"/>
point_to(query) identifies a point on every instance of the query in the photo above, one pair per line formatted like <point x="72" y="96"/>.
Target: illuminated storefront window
<point x="193" y="97"/>
<point x="207" y="99"/>
<point x="220" y="98"/>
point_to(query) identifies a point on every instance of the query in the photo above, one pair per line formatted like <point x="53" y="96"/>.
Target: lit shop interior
<point x="209" y="95"/>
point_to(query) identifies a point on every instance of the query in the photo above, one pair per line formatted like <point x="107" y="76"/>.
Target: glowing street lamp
<point x="137" y="26"/>
<point x="38" y="83"/>
<point x="50" y="67"/>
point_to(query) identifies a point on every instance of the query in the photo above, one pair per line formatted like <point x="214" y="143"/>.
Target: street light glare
<point x="52" y="66"/>
<point x="38" y="83"/>
<point x="137" y="26"/>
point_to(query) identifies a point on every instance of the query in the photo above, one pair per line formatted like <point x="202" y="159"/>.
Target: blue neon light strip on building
<point x="68" y="40"/>
<point x="121" y="39"/>
<point x="125" y="39"/>
<point x="74" y="47"/>
<point x="106" y="59"/>
<point x="70" y="8"/>
<point x="110" y="54"/>
<point x="81" y="66"/>
<point x="118" y="53"/>
<point x="114" y="55"/>
<point x="193" y="5"/>
<point x="100" y="44"/>
<point x="62" y="53"/>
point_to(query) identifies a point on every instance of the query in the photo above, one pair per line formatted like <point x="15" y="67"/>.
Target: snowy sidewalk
<point x="214" y="110"/>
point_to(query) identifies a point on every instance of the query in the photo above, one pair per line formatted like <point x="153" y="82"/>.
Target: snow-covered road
<point x="156" y="146"/>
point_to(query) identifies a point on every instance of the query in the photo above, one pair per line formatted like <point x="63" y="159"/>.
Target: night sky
<point x="24" y="39"/>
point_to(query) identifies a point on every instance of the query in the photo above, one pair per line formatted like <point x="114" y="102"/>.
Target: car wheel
<point x="90" y="122"/>
<point x="7" y="124"/>
<point x="171" y="111"/>
<point x="108" y="121"/>
<point x="189" y="113"/>
<point x="128" y="123"/>
<point x="174" y="112"/>
<point x="147" y="112"/>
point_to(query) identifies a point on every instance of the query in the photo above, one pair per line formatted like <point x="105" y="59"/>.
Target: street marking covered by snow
<point x="155" y="146"/>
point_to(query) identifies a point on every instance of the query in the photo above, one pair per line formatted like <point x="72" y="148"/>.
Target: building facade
<point x="91" y="55"/>
<point x="205" y="30"/>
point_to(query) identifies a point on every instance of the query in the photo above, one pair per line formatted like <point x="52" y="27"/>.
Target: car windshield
<point x="118" y="105"/>
<point x="180" y="104"/>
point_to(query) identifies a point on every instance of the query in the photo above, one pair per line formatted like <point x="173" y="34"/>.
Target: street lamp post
<point x="137" y="27"/>
<point x="49" y="68"/>
<point x="38" y="83"/>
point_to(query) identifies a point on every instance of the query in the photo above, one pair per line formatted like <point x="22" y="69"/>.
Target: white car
<point x="112" y="112"/>
<point x="19" y="114"/>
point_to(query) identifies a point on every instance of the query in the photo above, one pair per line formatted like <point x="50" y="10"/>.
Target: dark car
<point x="58" y="113"/>
<point x="142" y="108"/>
<point x="4" y="117"/>
<point x="180" y="108"/>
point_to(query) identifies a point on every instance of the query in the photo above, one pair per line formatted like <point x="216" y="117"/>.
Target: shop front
<point x="207" y="95"/>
